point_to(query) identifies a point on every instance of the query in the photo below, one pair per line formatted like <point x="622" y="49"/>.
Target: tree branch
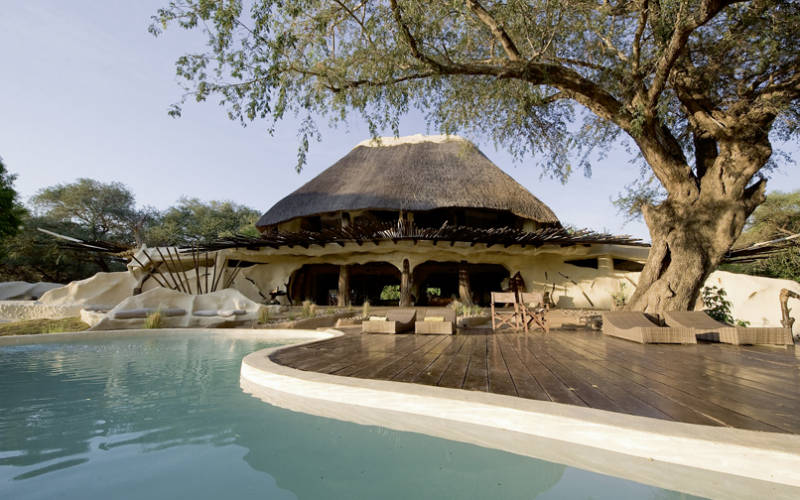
<point x="708" y="9"/>
<point x="497" y="30"/>
<point x="637" y="37"/>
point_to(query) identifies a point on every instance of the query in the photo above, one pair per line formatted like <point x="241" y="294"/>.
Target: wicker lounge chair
<point x="637" y="327"/>
<point x="444" y="327"/>
<point x="397" y="321"/>
<point x="707" y="328"/>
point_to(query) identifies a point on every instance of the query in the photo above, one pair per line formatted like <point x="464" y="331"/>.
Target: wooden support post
<point x="343" y="295"/>
<point x="464" y="292"/>
<point x="405" y="285"/>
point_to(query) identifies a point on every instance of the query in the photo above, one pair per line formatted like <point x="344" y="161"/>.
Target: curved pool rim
<point x="642" y="449"/>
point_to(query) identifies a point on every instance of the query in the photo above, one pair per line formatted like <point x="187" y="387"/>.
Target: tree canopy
<point x="91" y="210"/>
<point x="511" y="70"/>
<point x="105" y="211"/>
<point x="11" y="212"/>
<point x="194" y="221"/>
<point x="696" y="86"/>
<point x="778" y="217"/>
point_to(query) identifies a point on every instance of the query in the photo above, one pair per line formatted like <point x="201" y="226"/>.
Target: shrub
<point x="154" y="320"/>
<point x="717" y="305"/>
<point x="620" y="297"/>
<point x="264" y="315"/>
<point x="465" y="310"/>
<point x="365" y="309"/>
<point x="309" y="309"/>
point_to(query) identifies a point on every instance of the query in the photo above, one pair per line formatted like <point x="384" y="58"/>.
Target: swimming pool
<point x="162" y="416"/>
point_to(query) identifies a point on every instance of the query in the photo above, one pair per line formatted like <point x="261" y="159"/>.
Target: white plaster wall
<point x="755" y="299"/>
<point x="102" y="289"/>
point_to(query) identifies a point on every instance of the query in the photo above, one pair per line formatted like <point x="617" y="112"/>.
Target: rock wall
<point x="101" y="290"/>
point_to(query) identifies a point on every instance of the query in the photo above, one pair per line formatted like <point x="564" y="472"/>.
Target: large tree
<point x="695" y="85"/>
<point x="11" y="212"/>
<point x="100" y="211"/>
<point x="192" y="221"/>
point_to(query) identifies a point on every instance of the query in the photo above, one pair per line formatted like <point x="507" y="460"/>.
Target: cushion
<point x="133" y="313"/>
<point x="435" y="319"/>
<point x="377" y="318"/>
<point x="205" y="312"/>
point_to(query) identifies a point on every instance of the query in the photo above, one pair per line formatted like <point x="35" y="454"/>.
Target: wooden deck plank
<point x="722" y="391"/>
<point x="750" y="387"/>
<point x="499" y="375"/>
<point x="432" y="375"/>
<point x="477" y="376"/>
<point x="456" y="371"/>
<point x="680" y="389"/>
<point x="421" y="363"/>
<point x="526" y="384"/>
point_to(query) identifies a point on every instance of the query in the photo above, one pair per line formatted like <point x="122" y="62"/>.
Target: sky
<point x="85" y="89"/>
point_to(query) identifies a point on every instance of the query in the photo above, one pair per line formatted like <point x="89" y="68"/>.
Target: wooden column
<point x="464" y="292"/>
<point x="405" y="285"/>
<point x="343" y="296"/>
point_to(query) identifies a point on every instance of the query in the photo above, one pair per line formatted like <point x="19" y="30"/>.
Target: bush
<point x="154" y="320"/>
<point x="620" y="297"/>
<point x="264" y="315"/>
<point x="717" y="305"/>
<point x="465" y="310"/>
<point x="365" y="310"/>
<point x="309" y="309"/>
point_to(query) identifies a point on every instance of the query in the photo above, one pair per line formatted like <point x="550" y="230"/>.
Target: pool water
<point x="162" y="416"/>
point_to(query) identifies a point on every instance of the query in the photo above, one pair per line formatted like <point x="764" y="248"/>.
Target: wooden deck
<point x="749" y="387"/>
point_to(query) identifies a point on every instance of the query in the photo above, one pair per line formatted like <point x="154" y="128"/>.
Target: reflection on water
<point x="160" y="417"/>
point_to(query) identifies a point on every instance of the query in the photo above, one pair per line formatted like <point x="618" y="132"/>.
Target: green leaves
<point x="11" y="212"/>
<point x="192" y="221"/>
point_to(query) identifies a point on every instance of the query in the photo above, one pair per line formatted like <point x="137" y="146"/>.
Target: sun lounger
<point x="637" y="327"/>
<point x="707" y="328"/>
<point x="395" y="321"/>
<point x="437" y="322"/>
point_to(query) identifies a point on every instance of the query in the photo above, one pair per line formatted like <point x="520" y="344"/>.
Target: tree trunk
<point x="343" y="295"/>
<point x="693" y="230"/>
<point x="405" y="285"/>
<point x="464" y="292"/>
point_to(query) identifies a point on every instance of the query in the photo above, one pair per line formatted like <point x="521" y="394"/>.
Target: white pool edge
<point x="761" y="456"/>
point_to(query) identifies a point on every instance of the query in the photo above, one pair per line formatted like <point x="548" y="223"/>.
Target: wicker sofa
<point x="445" y="326"/>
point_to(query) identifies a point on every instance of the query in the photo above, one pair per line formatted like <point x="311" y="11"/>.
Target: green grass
<point x="36" y="326"/>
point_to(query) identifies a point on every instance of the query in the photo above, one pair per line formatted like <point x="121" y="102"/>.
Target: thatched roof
<point x="415" y="173"/>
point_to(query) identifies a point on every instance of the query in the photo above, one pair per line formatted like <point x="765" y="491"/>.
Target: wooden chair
<point x="534" y="311"/>
<point x="503" y="315"/>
